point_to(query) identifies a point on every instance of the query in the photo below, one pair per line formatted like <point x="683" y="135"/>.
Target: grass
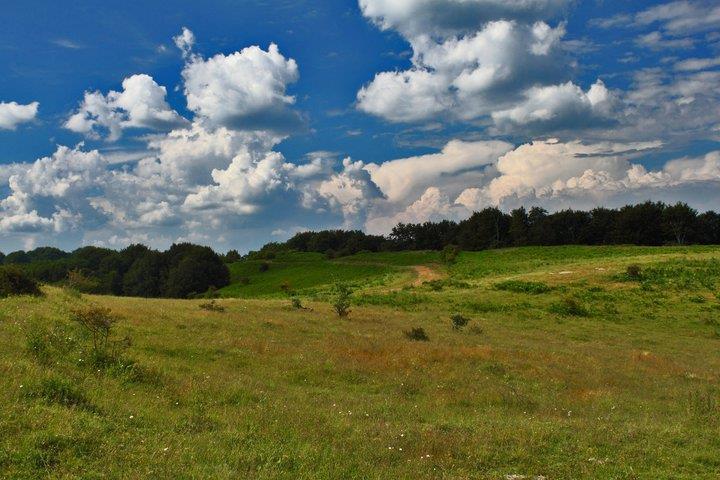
<point x="628" y="388"/>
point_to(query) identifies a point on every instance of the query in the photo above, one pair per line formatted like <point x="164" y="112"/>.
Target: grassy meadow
<point x="569" y="367"/>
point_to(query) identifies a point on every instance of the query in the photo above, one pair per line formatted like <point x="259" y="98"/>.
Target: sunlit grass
<point x="628" y="389"/>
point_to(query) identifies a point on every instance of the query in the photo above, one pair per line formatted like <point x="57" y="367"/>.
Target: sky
<point x="236" y="123"/>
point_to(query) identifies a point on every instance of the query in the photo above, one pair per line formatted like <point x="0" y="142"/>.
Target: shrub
<point x="212" y="306"/>
<point x="98" y="322"/>
<point x="417" y="334"/>
<point x="459" y="321"/>
<point x="569" y="307"/>
<point x="519" y="286"/>
<point x="296" y="303"/>
<point x="13" y="281"/>
<point x="449" y="254"/>
<point x="634" y="272"/>
<point x="341" y="302"/>
<point x="78" y="281"/>
<point x="264" y="267"/>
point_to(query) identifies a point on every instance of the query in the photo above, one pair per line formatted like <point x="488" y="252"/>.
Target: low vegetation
<point x="598" y="376"/>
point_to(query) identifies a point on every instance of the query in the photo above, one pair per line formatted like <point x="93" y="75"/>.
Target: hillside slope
<point x="568" y="368"/>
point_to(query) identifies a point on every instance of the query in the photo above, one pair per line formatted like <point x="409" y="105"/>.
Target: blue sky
<point x="365" y="114"/>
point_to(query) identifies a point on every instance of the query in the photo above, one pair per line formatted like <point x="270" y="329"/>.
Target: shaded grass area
<point x="302" y="272"/>
<point x="628" y="386"/>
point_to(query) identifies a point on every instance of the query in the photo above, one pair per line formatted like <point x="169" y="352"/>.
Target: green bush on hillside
<point x="13" y="281"/>
<point x="341" y="302"/>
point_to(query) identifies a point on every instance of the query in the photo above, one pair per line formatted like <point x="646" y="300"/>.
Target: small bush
<point x="634" y="272"/>
<point x="417" y="335"/>
<point x="98" y="322"/>
<point x="212" y="306"/>
<point x="459" y="321"/>
<point x="296" y="303"/>
<point x="76" y="280"/>
<point x="264" y="267"/>
<point x="341" y="301"/>
<point x="569" y="307"/>
<point x="519" y="286"/>
<point x="13" y="281"/>
<point x="449" y="254"/>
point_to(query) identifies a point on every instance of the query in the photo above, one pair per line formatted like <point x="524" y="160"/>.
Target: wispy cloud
<point x="67" y="43"/>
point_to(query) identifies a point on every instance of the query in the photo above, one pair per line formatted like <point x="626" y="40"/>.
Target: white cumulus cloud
<point x="13" y="114"/>
<point x="141" y="104"/>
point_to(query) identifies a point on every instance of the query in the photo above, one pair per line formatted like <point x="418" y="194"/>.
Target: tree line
<point x="186" y="270"/>
<point x="182" y="271"/>
<point x="649" y="223"/>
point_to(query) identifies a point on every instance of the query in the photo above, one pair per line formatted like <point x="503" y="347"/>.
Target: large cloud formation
<point x="480" y="58"/>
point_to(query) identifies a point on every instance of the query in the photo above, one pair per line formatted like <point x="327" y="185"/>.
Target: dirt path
<point x="425" y="274"/>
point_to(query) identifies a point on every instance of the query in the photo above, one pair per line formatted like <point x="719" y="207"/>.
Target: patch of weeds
<point x="435" y="285"/>
<point x="569" y="307"/>
<point x="683" y="275"/>
<point x="45" y="344"/>
<point x="264" y="267"/>
<point x="697" y="299"/>
<point x="409" y="389"/>
<point x="129" y="371"/>
<point x="703" y="403"/>
<point x="296" y="304"/>
<point x="417" y="334"/>
<point x="60" y="391"/>
<point x="520" y="286"/>
<point x="492" y="307"/>
<point x="459" y="321"/>
<point x="47" y="450"/>
<point x="198" y="422"/>
<point x="38" y="346"/>
<point x="243" y="280"/>
<point x="439" y="285"/>
<point x="494" y="368"/>
<point x="212" y="306"/>
<point x="404" y="300"/>
<point x="634" y="272"/>
<point x="477" y="330"/>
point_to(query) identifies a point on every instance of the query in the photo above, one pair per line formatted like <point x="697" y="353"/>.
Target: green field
<point x="569" y="368"/>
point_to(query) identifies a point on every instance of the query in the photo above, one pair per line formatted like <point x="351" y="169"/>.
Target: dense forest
<point x="181" y="272"/>
<point x="648" y="223"/>
<point x="186" y="270"/>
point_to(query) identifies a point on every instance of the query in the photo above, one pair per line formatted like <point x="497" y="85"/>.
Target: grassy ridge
<point x="568" y="369"/>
